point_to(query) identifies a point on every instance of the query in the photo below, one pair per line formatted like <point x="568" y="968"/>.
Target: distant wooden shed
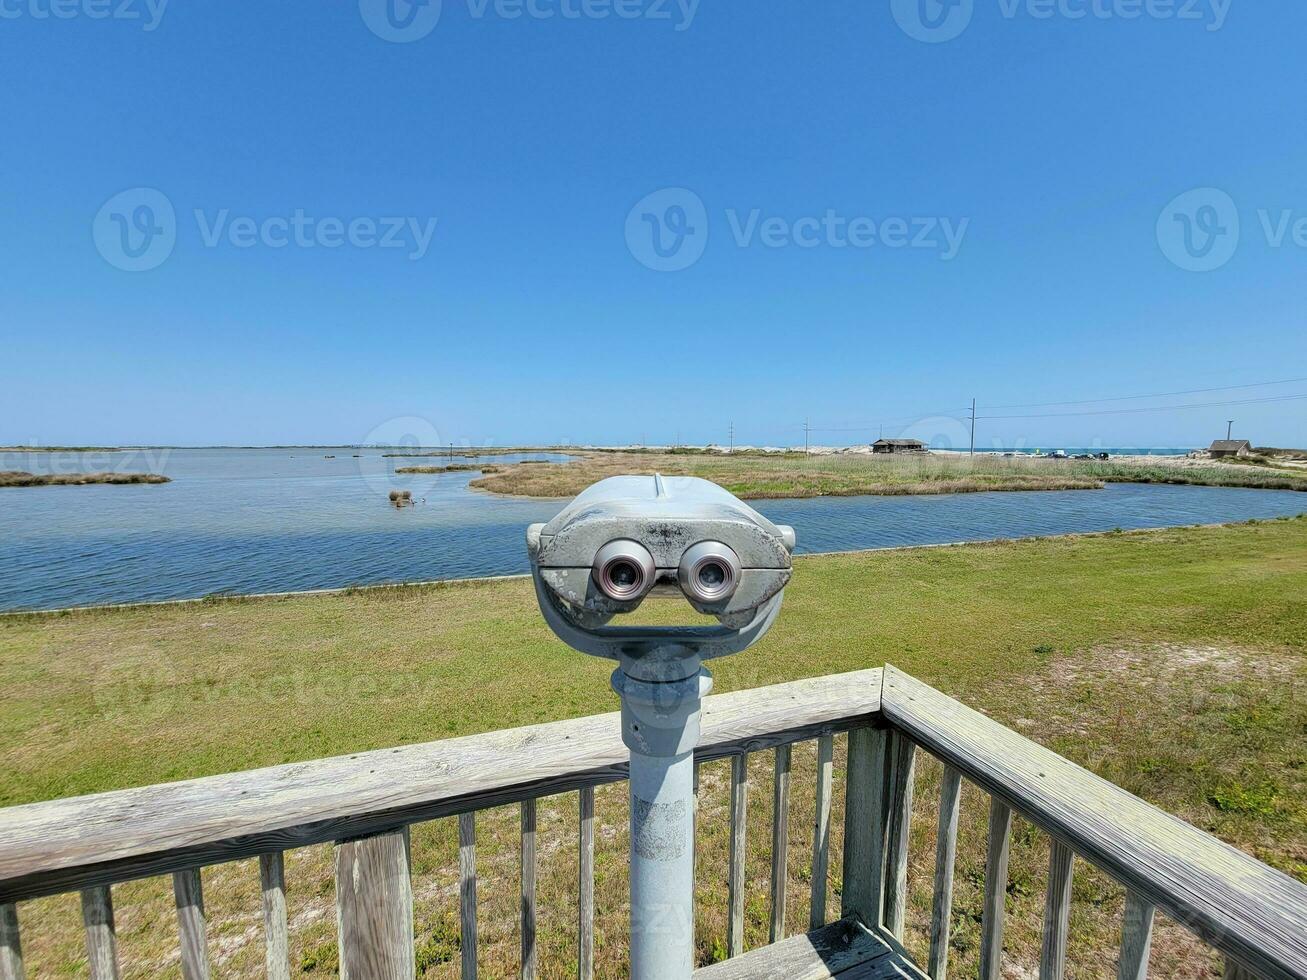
<point x="1230" y="447"/>
<point x="898" y="446"/>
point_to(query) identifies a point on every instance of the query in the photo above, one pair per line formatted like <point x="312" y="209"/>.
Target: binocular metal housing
<point x="629" y="537"/>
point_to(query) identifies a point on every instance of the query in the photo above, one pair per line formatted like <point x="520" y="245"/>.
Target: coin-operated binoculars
<point x="619" y="541"/>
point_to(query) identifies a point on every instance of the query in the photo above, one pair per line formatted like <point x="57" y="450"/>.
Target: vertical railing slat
<point x="1136" y="938"/>
<point x="1057" y="911"/>
<point x="780" y="841"/>
<point x="946" y="849"/>
<point x="101" y="941"/>
<point x="903" y="755"/>
<point x="821" y="831"/>
<point x="586" y="928"/>
<point x="735" y="879"/>
<point x="694" y="853"/>
<point x="995" y="910"/>
<point x="467" y="893"/>
<point x="276" y="938"/>
<point x="189" y="893"/>
<point x="11" y="946"/>
<point x="374" y="907"/>
<point x="528" y="890"/>
<point x="864" y="826"/>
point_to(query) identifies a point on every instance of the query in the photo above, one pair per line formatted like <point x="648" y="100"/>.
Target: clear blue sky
<point x="1054" y="143"/>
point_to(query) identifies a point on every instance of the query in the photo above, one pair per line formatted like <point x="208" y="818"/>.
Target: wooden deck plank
<point x="47" y="848"/>
<point x="1240" y="906"/>
<point x="844" y="949"/>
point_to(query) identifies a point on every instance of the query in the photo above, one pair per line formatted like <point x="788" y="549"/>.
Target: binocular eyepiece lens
<point x="709" y="572"/>
<point x="711" y="575"/>
<point x="624" y="570"/>
<point x="623" y="575"/>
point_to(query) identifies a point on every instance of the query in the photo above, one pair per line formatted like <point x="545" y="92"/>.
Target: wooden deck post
<point x="995" y="910"/>
<point x="101" y="941"/>
<point x="821" y="831"/>
<point x="735" y="879"/>
<point x="1136" y="938"/>
<point x="467" y="893"/>
<point x="276" y="938"/>
<point x="528" y="890"/>
<point x="780" y="841"/>
<point x="11" y="948"/>
<point x="1057" y="910"/>
<point x="946" y="849"/>
<point x="864" y="826"/>
<point x="585" y="960"/>
<point x="189" y="894"/>
<point x="902" y="754"/>
<point x="374" y="908"/>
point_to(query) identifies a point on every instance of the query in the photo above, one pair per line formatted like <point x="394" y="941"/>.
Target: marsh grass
<point x="451" y="468"/>
<point x="1170" y="662"/>
<point x="760" y="475"/>
<point x="18" y="478"/>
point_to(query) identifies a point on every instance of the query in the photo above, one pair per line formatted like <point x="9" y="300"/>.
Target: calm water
<point x="272" y="520"/>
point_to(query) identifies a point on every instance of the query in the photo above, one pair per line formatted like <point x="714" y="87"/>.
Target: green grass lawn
<point x="1171" y="662"/>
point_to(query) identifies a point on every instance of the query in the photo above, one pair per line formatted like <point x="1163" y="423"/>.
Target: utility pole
<point x="1229" y="428"/>
<point x="805" y="437"/>
<point x="973" y="427"/>
<point x="732" y="437"/>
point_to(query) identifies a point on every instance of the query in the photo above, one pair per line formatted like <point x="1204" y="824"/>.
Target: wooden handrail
<point x="1238" y="905"/>
<point x="63" y="845"/>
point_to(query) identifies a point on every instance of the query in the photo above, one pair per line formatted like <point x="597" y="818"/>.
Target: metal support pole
<point x="660" y="725"/>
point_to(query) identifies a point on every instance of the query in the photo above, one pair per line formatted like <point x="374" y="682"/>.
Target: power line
<point x="1160" y="394"/>
<point x="1154" y="408"/>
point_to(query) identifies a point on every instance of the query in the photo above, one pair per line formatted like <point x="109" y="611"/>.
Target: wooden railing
<point x="365" y="803"/>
